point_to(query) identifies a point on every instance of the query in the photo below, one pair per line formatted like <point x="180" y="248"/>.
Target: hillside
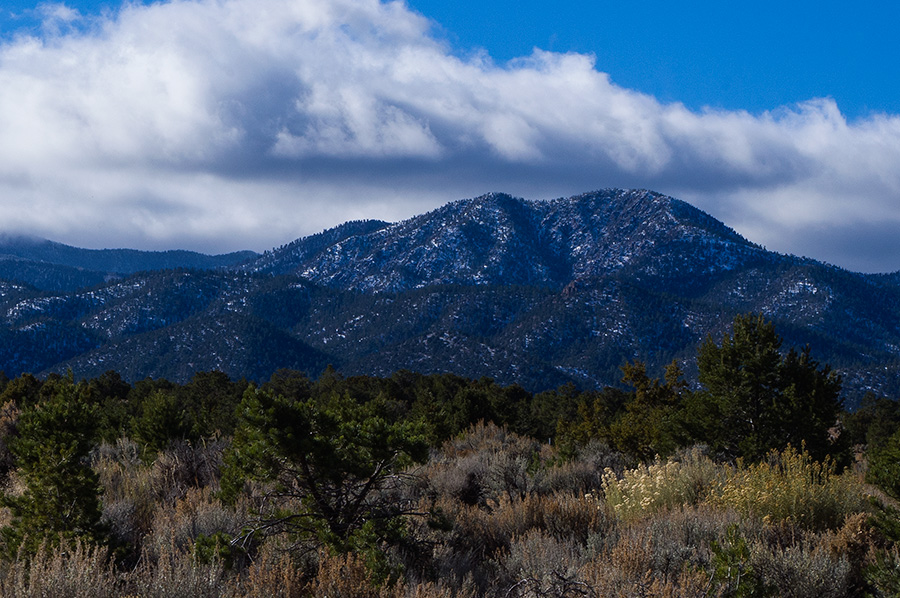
<point x="56" y="267"/>
<point x="501" y="240"/>
<point x="538" y="293"/>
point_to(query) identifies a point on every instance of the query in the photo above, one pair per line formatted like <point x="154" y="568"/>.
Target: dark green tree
<point x="876" y="420"/>
<point x="23" y="391"/>
<point x="812" y="405"/>
<point x="110" y="393"/>
<point x="289" y="383"/>
<point x="595" y="413"/>
<point x="884" y="466"/>
<point x="9" y="421"/>
<point x="331" y="465"/>
<point x="649" y="424"/>
<point x="62" y="492"/>
<point x="210" y="399"/>
<point x="540" y="416"/>
<point x="160" y="421"/>
<point x="756" y="398"/>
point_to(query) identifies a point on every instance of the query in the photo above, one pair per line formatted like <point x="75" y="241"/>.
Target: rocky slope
<point x="501" y="240"/>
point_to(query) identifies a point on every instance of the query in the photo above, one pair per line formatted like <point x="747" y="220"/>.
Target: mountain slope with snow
<point x="538" y="293"/>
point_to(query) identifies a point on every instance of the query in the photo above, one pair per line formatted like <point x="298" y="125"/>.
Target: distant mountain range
<point x="56" y="267"/>
<point x="538" y="293"/>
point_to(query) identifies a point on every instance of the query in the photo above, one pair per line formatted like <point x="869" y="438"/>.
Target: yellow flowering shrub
<point x="647" y="489"/>
<point x="790" y="486"/>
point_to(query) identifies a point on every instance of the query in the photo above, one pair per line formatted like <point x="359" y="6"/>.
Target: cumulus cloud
<point x="221" y="124"/>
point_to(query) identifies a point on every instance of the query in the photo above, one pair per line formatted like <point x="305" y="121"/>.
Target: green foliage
<point x="110" y="393"/>
<point x="595" y="412"/>
<point x="202" y="408"/>
<point x="450" y="404"/>
<point x="884" y="466"/>
<point x="547" y="409"/>
<point x="161" y="420"/>
<point x="217" y="548"/>
<point x="884" y="574"/>
<point x="328" y="463"/>
<point x="23" y="391"/>
<point x="733" y="573"/>
<point x="61" y="498"/>
<point x="756" y="399"/>
<point x="644" y="424"/>
<point x="210" y="399"/>
<point x="886" y="519"/>
<point x="502" y="514"/>
<point x="9" y="421"/>
<point x="811" y="406"/>
<point x="876" y="420"/>
<point x="290" y="384"/>
<point x="648" y="426"/>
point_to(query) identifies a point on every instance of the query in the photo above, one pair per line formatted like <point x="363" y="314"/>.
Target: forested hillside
<point x="51" y="266"/>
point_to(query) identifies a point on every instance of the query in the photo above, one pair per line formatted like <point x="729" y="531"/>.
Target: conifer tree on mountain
<point x="756" y="398"/>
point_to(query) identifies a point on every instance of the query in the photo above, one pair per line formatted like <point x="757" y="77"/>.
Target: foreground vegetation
<point x="756" y="484"/>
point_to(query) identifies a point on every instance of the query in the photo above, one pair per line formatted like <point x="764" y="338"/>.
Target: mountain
<point x="538" y="293"/>
<point x="162" y="324"/>
<point x="56" y="267"/>
<point x="501" y="240"/>
<point x="48" y="277"/>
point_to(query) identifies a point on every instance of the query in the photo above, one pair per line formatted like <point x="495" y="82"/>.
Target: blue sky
<point x="736" y="55"/>
<point x="225" y="124"/>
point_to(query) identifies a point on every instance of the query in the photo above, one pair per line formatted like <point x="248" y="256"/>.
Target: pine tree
<point x="329" y="463"/>
<point x="648" y="425"/>
<point x="884" y="466"/>
<point x="755" y="398"/>
<point x="62" y="492"/>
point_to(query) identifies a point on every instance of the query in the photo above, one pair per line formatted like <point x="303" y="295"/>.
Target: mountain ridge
<point x="480" y="241"/>
<point x="538" y="293"/>
<point x="53" y="266"/>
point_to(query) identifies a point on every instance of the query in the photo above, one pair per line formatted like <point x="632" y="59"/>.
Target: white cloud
<point x="218" y="124"/>
<point x="57" y="13"/>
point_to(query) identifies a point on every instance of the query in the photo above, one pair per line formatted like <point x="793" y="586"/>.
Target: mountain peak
<point x="500" y="239"/>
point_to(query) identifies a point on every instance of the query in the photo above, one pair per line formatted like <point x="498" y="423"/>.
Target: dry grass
<point x="791" y="487"/>
<point x="72" y="570"/>
<point x="515" y="521"/>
